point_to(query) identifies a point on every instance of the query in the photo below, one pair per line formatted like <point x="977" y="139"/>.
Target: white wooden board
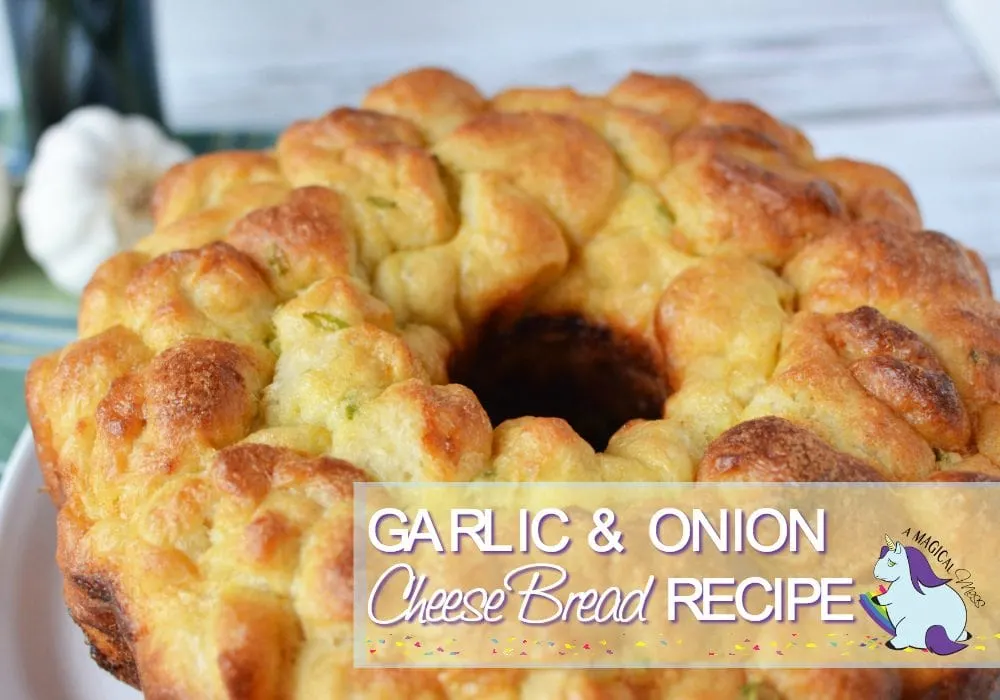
<point x="262" y="64"/>
<point x="979" y="20"/>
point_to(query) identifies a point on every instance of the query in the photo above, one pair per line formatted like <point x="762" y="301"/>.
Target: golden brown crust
<point x="927" y="400"/>
<point x="258" y="642"/>
<point x="670" y="97"/>
<point x="86" y="371"/>
<point x="435" y="100"/>
<point x="94" y="606"/>
<point x="202" y="389"/>
<point x="900" y="370"/>
<point x="813" y="386"/>
<point x="948" y="683"/>
<point x="774" y="449"/>
<point x="94" y="601"/>
<point x="820" y="684"/>
<point x="871" y="192"/>
<point x="292" y="325"/>
<point x="737" y="191"/>
<point x="203" y="183"/>
<point x="556" y="159"/>
<point x="746" y="120"/>
<point x="883" y="265"/>
<point x="865" y="333"/>
<point x="965" y="477"/>
<point x="249" y="471"/>
<point x="306" y="238"/>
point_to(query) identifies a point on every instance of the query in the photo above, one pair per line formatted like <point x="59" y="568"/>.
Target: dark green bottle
<point x="72" y="53"/>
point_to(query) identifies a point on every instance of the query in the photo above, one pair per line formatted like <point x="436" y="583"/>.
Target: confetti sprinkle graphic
<point x="792" y="646"/>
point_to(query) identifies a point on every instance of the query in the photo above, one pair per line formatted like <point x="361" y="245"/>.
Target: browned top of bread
<point x="293" y="323"/>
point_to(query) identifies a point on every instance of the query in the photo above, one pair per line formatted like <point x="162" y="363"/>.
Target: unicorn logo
<point x="919" y="609"/>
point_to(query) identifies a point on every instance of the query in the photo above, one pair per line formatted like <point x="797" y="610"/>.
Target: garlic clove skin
<point x="87" y="191"/>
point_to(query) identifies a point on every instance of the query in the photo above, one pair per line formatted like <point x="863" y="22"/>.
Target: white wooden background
<point x="893" y="81"/>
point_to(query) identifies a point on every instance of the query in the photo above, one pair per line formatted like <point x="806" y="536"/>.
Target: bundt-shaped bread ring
<point x="678" y="289"/>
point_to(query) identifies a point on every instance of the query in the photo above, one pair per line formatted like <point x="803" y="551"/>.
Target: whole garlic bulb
<point x="6" y="207"/>
<point x="87" y="191"/>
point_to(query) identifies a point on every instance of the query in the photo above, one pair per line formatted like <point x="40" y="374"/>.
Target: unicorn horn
<point x="889" y="542"/>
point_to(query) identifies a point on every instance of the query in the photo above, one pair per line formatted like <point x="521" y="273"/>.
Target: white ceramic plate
<point x="43" y="655"/>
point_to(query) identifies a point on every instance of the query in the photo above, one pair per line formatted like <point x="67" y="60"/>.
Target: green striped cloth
<point x="36" y="318"/>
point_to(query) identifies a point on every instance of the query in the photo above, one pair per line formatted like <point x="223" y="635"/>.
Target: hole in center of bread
<point x="563" y="367"/>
